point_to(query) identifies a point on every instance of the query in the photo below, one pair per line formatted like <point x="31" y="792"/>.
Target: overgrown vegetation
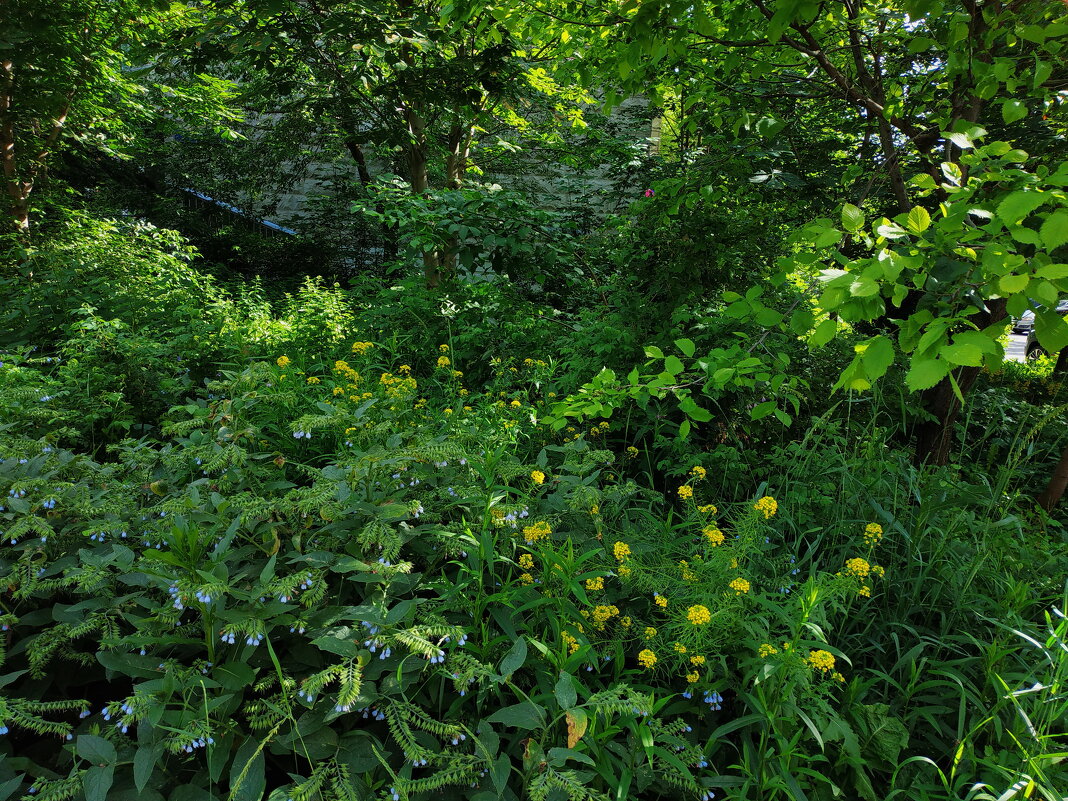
<point x="550" y="446"/>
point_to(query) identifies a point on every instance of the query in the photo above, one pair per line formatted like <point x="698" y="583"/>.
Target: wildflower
<point x="647" y="658"/>
<point x="443" y="361"/>
<point x="515" y="404"/>
<point x="339" y="391"/>
<point x="858" y="567"/>
<point x="537" y="477"/>
<point x="649" y="632"/>
<point x="821" y="660"/>
<point x="313" y="380"/>
<point x="623" y="571"/>
<point x="740" y="586"/>
<point x="679" y="648"/>
<point x="697" y="660"/>
<point x="536" y="532"/>
<point x="595" y="509"/>
<point x="526" y="561"/>
<point x="873" y="532"/>
<point x="685" y="491"/>
<point x="708" y="509"/>
<point x="838" y="677"/>
<point x="766" y="650"/>
<point x="632" y="452"/>
<point x="596" y="583"/>
<point x="878" y="570"/>
<point x="713" y="535"/>
<point x="698" y="472"/>
<point x="405" y="369"/>
<point x="526" y="578"/>
<point x="767" y="505"/>
<point x="443" y="348"/>
<point x="447" y="410"/>
<point x="360" y="348"/>
<point x="864" y="591"/>
<point x="649" y="193"/>
<point x="570" y="641"/>
<point x="698" y="615"/>
<point x="625" y="621"/>
<point x="660" y="600"/>
<point x="621" y="551"/>
<point x="693" y="678"/>
<point x="602" y="614"/>
<point x="282" y="361"/>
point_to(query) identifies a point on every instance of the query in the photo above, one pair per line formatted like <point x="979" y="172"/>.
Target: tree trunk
<point x="1057" y="482"/>
<point x="934" y="438"/>
<point x="1061" y="367"/>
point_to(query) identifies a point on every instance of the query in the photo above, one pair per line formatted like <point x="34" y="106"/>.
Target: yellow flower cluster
<point x="624" y="571"/>
<point x="821" y="660"/>
<point x="660" y="600"/>
<point x="740" y="586"/>
<point x="443" y="348"/>
<point x="600" y="428"/>
<point x="625" y="621"/>
<point x="873" y="533"/>
<point x="864" y="591"/>
<point x="602" y="614"/>
<point x="766" y="650"/>
<point x="693" y="678"/>
<point x="649" y="632"/>
<point x="687" y="573"/>
<point x="397" y="386"/>
<point x="527" y="579"/>
<point x="526" y="561"/>
<point x="878" y="570"/>
<point x="621" y="551"/>
<point x="596" y="583"/>
<point x="858" y="567"/>
<point x="516" y="404"/>
<point x="313" y="380"/>
<point x="713" y="535"/>
<point x="698" y="615"/>
<point x="360" y="348"/>
<point x="537" y="477"/>
<point x="595" y="510"/>
<point x="341" y="367"/>
<point x="697" y="660"/>
<point x="405" y="369"/>
<point x="698" y="472"/>
<point x="767" y="505"/>
<point x="283" y="362"/>
<point x="685" y="491"/>
<point x="679" y="648"/>
<point x="632" y="452"/>
<point x="708" y="509"/>
<point x="536" y="532"/>
<point x="443" y="362"/>
<point x="647" y="658"/>
<point x="570" y="641"/>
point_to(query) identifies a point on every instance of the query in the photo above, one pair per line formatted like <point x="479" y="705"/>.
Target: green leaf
<point x="1019" y="204"/>
<point x="828" y="237"/>
<point x="1052" y="272"/>
<point x="247" y="778"/>
<point x="674" y="366"/>
<point x="801" y="321"/>
<point x="515" y="658"/>
<point x="918" y="220"/>
<point x="1013" y="110"/>
<point x="233" y="675"/>
<point x="852" y="218"/>
<point x="925" y="373"/>
<point x="653" y="352"/>
<point x="525" y="715"/>
<point x="762" y="410"/>
<point x="878" y="355"/>
<point x="1011" y="284"/>
<point x="688" y="406"/>
<point x="1051" y="330"/>
<point x="823" y="334"/>
<point x="566" y="694"/>
<point x="144" y="763"/>
<point x="686" y="346"/>
<point x="1054" y="230"/>
<point x="97" y="781"/>
<point x="968" y="355"/>
<point x="559" y="756"/>
<point x="684" y="429"/>
<point x="95" y="749"/>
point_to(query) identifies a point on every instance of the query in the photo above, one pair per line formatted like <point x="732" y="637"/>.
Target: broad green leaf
<point x="566" y="694"/>
<point x="878" y="355"/>
<point x="686" y="346"/>
<point x="801" y="321"/>
<point x="925" y="373"/>
<point x="1052" y="271"/>
<point x="514" y="659"/>
<point x="1019" y="204"/>
<point x="762" y="410"/>
<point x="1011" y="284"/>
<point x="653" y="352"/>
<point x="1051" y="330"/>
<point x="968" y="355"/>
<point x="525" y="715"/>
<point x="1054" y="230"/>
<point x="918" y="220"/>
<point x="828" y="237"/>
<point x="824" y="333"/>
<point x="852" y="218"/>
<point x="1013" y="111"/>
<point x="144" y="763"/>
<point x="96" y="782"/>
<point x="674" y="366"/>
<point x="577" y="721"/>
<point x="684" y="429"/>
<point x="247" y="776"/>
<point x="95" y="749"/>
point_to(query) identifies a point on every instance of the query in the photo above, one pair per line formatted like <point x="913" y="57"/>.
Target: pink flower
<point x="649" y="193"/>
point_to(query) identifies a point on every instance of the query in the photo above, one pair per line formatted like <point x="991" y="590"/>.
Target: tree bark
<point x="1061" y="367"/>
<point x="1057" y="482"/>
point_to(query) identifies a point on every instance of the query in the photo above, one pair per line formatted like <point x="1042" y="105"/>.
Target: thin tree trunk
<point x="1061" y="367"/>
<point x="934" y="438"/>
<point x="1057" y="483"/>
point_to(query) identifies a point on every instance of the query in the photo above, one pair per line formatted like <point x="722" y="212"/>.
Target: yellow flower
<point x="537" y="476"/>
<point x="448" y="410"/>
<point x="595" y="509"/>
<point x="443" y="348"/>
<point x="463" y="393"/>
<point x="625" y="621"/>
<point x="864" y="591"/>
<point x="768" y="505"/>
<point x="570" y="641"/>
<point x="623" y="571"/>
<point x="734" y="563"/>
<point x="766" y="650"/>
<point x="740" y="586"/>
<point x="697" y="660"/>
<point x="467" y="408"/>
<point x="858" y="567"/>
<point x="708" y="509"/>
<point x="551" y="395"/>
<point x="596" y="583"/>
<point x="443" y="361"/>
<point x="713" y="535"/>
<point x="679" y="648"/>
<point x="404" y="369"/>
<point x="632" y="452"/>
<point x="526" y="561"/>
<point x="602" y="614"/>
<point x="360" y="348"/>
<point x="621" y="551"/>
<point x="698" y="615"/>
<point x="821" y="660"/>
<point x="282" y="361"/>
<point x="873" y="532"/>
<point x="647" y="658"/>
<point x="526" y="578"/>
<point x="693" y="678"/>
<point x="515" y="404"/>
<point x="685" y="491"/>
<point x="699" y="472"/>
<point x="649" y="632"/>
<point x="878" y="570"/>
<point x="339" y="390"/>
<point x="838" y="677"/>
<point x="536" y="532"/>
<point x="661" y="600"/>
<point x="313" y="380"/>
